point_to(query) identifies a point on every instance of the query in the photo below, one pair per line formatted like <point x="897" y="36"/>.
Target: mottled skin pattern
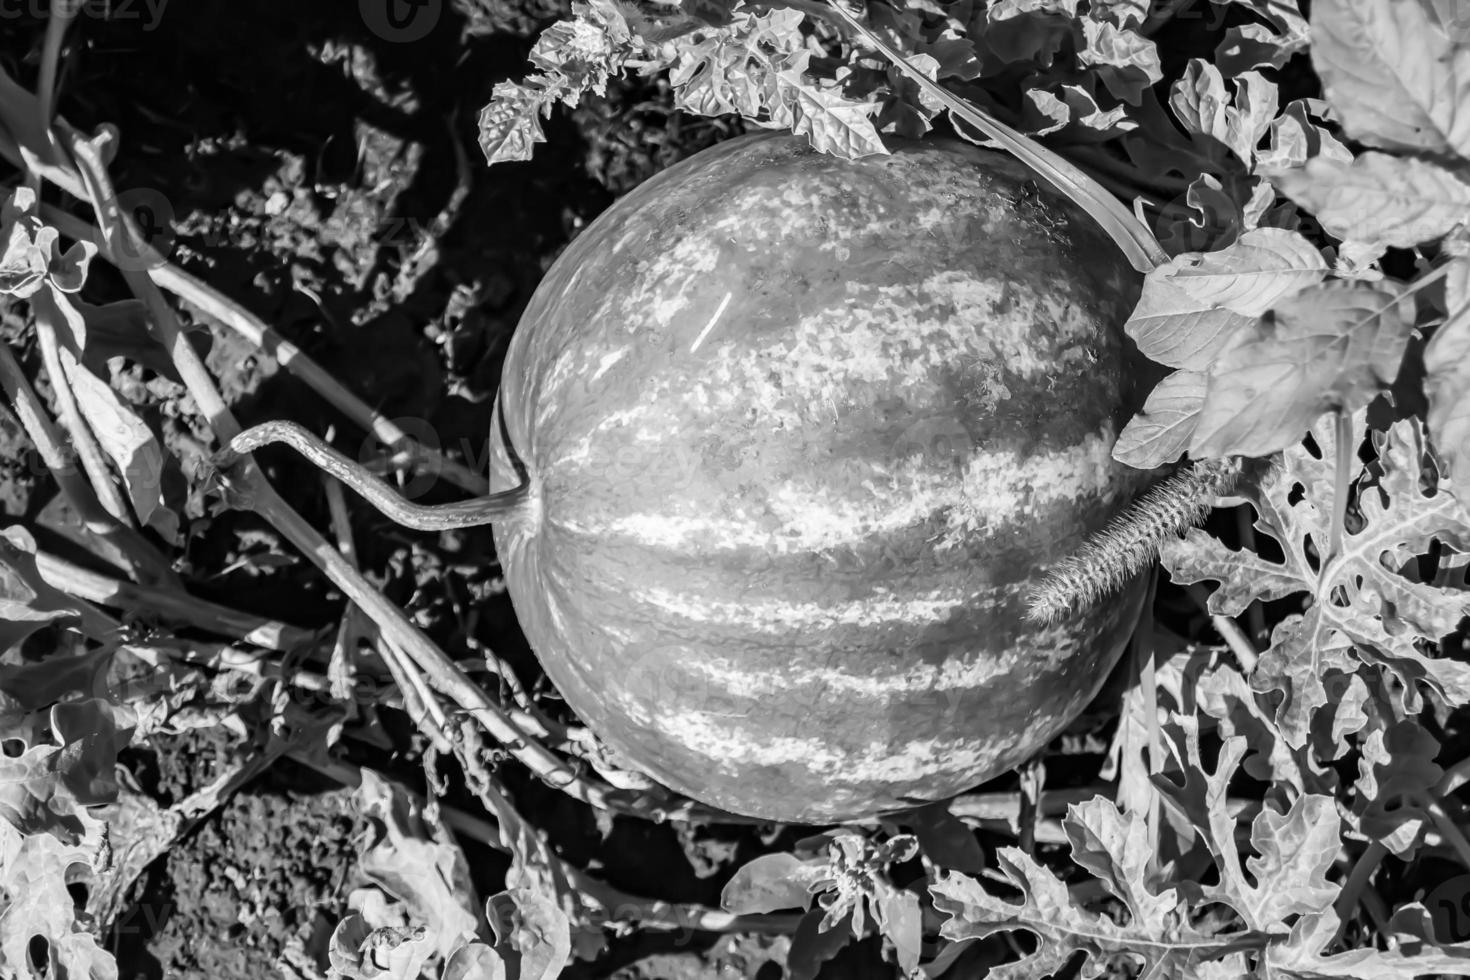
<point x="800" y="432"/>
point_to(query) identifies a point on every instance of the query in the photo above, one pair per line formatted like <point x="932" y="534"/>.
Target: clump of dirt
<point x="255" y="890"/>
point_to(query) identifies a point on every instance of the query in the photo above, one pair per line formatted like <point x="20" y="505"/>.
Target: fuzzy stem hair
<point x="1111" y="558"/>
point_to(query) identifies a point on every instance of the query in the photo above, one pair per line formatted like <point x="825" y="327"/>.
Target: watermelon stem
<point x="356" y="477"/>
<point x="1110" y="559"/>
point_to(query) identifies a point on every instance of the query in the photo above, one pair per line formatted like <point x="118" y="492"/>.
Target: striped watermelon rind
<point x="801" y="434"/>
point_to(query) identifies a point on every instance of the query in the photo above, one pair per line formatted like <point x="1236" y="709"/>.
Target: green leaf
<point x="1193" y="305"/>
<point x="1447" y="380"/>
<point x="733" y="69"/>
<point x="1380" y="199"/>
<point x="1296" y="138"/>
<point x="770" y="883"/>
<point x="127" y="441"/>
<point x="36" y="909"/>
<point x="510" y="125"/>
<point x="1130" y="234"/>
<point x="831" y="123"/>
<point x="1304" y="956"/>
<point x="944" y="839"/>
<point x="1207" y="109"/>
<point x="901" y="920"/>
<point x="474" y="961"/>
<point x="1397" y="81"/>
<point x="1329" y="347"/>
<point x="419" y="863"/>
<point x="1294" y="852"/>
<point x="1161" y="432"/>
<point x="1164" y="945"/>
<point x="27" y="601"/>
<point x="811" y="945"/>
<point x="1126" y="62"/>
<point x="1397" y="776"/>
<point x="1117" y="851"/>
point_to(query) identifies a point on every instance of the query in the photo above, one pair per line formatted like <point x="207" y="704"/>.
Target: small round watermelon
<point x="801" y="433"/>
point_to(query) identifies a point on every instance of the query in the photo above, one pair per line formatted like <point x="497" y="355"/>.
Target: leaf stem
<point x="420" y="517"/>
<point x="1347" y="454"/>
<point x="1354" y="884"/>
<point x="169" y="604"/>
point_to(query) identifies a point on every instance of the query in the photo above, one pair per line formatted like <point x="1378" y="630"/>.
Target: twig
<point x="169" y="604"/>
<point x="142" y="562"/>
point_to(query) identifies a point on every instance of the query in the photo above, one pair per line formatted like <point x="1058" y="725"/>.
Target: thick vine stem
<point x="1111" y="558"/>
<point x="420" y="517"/>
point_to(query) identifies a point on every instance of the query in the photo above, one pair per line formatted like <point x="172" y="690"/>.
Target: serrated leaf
<point x="1116" y="850"/>
<point x="831" y="123"/>
<point x="1396" y="81"/>
<point x="419" y="863"/>
<point x="1161" y="432"/>
<point x="1380" y="199"/>
<point x="510" y="125"/>
<point x="1061" y="927"/>
<point x="1329" y="347"/>
<point x="733" y="69"/>
<point x="1193" y="305"/>
<point x="1245" y="577"/>
<point x="1294" y="852"/>
<point x="1251" y="46"/>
